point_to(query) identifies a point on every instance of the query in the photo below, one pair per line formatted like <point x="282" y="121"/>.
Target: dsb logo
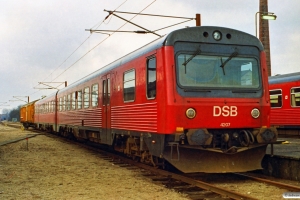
<point x="225" y="111"/>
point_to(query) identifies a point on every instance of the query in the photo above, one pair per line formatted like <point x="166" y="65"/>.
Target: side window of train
<point x="79" y="99"/>
<point x="95" y="93"/>
<point x="68" y="101"/>
<point x="295" y="97"/>
<point x="73" y="100"/>
<point x="86" y="97"/>
<point x="106" y="92"/>
<point x="64" y="103"/>
<point x="276" y="98"/>
<point x="60" y="104"/>
<point x="50" y="106"/>
<point x="151" y="78"/>
<point x="129" y="86"/>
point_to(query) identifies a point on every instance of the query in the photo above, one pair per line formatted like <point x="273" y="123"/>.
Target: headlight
<point x="217" y="35"/>
<point x="255" y="113"/>
<point x="190" y="113"/>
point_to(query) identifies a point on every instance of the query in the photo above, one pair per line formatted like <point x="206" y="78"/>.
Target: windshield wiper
<point x="244" y="91"/>
<point x="193" y="56"/>
<point x="196" y="90"/>
<point x="234" y="54"/>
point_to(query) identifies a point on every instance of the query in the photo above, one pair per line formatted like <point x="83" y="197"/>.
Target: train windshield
<point x="203" y="71"/>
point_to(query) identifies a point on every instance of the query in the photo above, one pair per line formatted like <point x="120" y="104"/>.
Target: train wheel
<point x="251" y="137"/>
<point x="244" y="138"/>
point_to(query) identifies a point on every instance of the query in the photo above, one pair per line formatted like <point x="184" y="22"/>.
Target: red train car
<point x="196" y="98"/>
<point x="46" y="113"/>
<point x="285" y="102"/>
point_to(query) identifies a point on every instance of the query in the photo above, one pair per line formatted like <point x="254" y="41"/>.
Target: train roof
<point x="283" y="78"/>
<point x="30" y="103"/>
<point x="200" y="34"/>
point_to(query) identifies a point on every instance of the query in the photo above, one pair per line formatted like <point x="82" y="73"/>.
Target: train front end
<point x="218" y="110"/>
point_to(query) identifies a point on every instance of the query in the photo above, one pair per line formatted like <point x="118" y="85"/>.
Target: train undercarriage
<point x="195" y="150"/>
<point x="201" y="150"/>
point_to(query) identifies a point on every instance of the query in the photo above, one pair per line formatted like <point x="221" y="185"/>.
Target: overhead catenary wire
<point x="168" y="16"/>
<point x="101" y="42"/>
<point x="102" y="21"/>
<point x="80" y="45"/>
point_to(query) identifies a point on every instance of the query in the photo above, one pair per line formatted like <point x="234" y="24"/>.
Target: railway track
<point x="194" y="185"/>
<point x="189" y="184"/>
<point x="195" y="189"/>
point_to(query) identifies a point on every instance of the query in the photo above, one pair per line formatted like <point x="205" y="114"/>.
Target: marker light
<point x="255" y="113"/>
<point x="190" y="113"/>
<point x="179" y="129"/>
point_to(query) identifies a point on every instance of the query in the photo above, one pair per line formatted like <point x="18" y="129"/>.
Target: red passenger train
<point x="285" y="103"/>
<point x="197" y="98"/>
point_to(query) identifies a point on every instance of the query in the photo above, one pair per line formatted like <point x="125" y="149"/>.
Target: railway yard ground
<point x="45" y="167"/>
<point x="54" y="169"/>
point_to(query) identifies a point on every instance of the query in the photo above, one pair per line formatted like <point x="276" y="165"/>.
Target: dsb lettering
<point x="225" y="111"/>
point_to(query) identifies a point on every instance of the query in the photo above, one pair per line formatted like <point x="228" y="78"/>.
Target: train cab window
<point x="86" y="97"/>
<point x="79" y="99"/>
<point x="276" y="98"/>
<point x="207" y="71"/>
<point x="73" y="101"/>
<point x="60" y="104"/>
<point x="295" y="97"/>
<point x="95" y="94"/>
<point x="129" y="86"/>
<point x="151" y="78"/>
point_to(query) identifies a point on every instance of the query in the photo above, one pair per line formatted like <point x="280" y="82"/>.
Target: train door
<point x="106" y="114"/>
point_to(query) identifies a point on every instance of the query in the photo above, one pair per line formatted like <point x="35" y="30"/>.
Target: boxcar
<point x="285" y="102"/>
<point x="196" y="98"/>
<point x="27" y="115"/>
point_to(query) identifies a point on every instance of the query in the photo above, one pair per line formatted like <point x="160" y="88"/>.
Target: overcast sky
<point x="39" y="39"/>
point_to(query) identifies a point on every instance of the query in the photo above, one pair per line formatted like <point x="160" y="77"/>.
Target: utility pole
<point x="198" y="19"/>
<point x="264" y="32"/>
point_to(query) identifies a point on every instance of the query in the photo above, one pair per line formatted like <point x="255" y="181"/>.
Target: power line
<point x="79" y="46"/>
<point x="91" y="48"/>
<point x="74" y="51"/>
<point x="101" y="42"/>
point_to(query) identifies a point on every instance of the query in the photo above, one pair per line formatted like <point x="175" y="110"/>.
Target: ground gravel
<point x="45" y="167"/>
<point x="53" y="169"/>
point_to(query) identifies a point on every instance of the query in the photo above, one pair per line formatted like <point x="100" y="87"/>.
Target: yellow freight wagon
<point x="27" y="115"/>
